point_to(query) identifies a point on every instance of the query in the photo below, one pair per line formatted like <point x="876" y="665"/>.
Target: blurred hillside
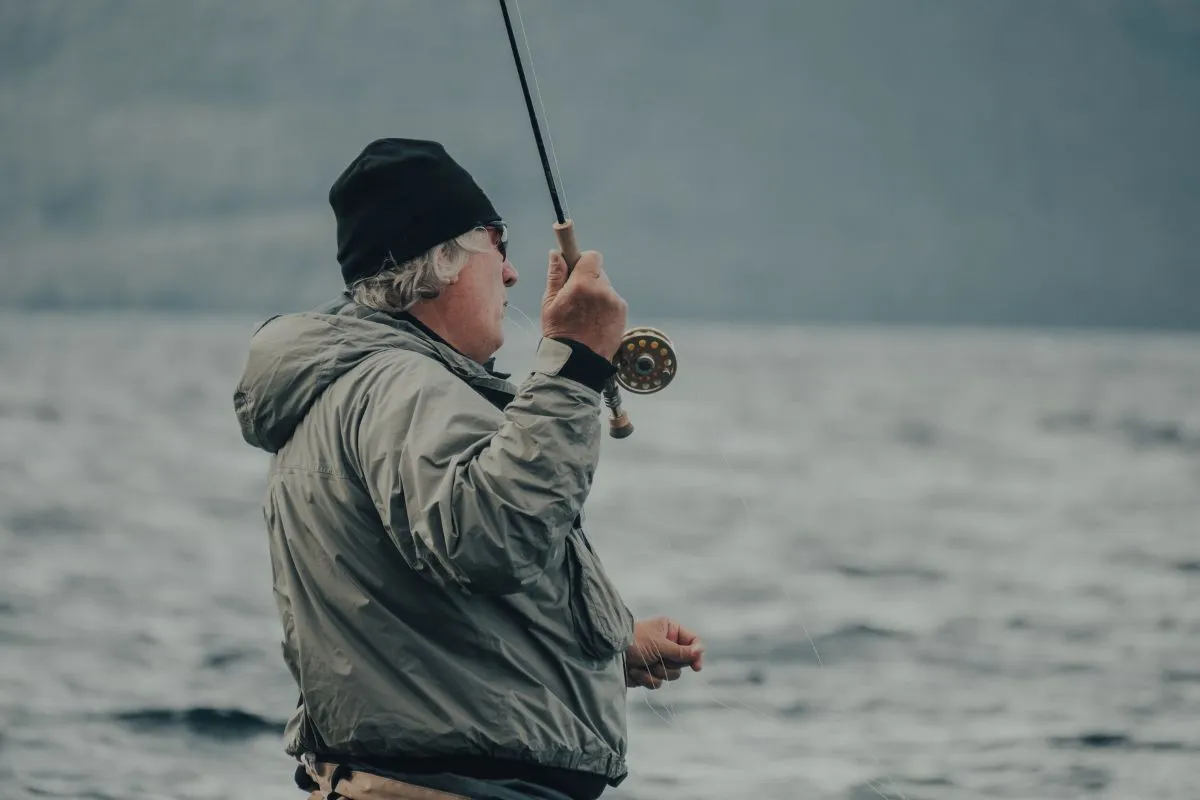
<point x="975" y="161"/>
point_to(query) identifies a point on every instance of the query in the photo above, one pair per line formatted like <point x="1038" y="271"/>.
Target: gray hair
<point x="400" y="286"/>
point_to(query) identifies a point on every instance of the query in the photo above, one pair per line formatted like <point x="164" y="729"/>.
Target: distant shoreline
<point x="765" y="324"/>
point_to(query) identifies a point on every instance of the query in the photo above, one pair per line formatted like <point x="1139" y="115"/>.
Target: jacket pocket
<point x="603" y="624"/>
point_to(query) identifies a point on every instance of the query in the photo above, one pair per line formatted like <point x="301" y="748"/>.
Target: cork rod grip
<point x="619" y="426"/>
<point x="565" y="233"/>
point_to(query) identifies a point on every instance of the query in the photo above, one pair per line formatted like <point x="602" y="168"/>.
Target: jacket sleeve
<point x="473" y="496"/>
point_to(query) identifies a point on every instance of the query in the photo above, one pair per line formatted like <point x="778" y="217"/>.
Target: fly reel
<point x="646" y="361"/>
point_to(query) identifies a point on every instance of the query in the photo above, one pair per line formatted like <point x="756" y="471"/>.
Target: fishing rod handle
<point x="619" y="426"/>
<point x="565" y="233"/>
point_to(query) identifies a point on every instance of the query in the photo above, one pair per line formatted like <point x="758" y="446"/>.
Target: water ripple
<point x="216" y="723"/>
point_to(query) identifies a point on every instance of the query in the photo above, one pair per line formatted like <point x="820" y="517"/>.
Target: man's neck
<point x="430" y="320"/>
<point x="433" y="333"/>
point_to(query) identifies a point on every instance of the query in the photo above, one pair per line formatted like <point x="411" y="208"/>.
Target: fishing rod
<point x="646" y="360"/>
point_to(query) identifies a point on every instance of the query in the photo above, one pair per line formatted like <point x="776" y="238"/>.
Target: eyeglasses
<point x="498" y="230"/>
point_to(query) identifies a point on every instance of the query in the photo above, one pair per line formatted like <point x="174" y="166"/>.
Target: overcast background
<point x="944" y="549"/>
<point x="966" y="162"/>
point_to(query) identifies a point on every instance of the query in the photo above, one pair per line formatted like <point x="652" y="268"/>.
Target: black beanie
<point x="400" y="197"/>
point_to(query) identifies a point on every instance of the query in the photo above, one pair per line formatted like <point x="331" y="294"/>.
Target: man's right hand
<point x="584" y="306"/>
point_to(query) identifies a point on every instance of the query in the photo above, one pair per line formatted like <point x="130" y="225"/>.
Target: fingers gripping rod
<point x="645" y="361"/>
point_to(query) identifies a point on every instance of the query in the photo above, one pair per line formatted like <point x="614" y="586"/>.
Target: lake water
<point x="929" y="564"/>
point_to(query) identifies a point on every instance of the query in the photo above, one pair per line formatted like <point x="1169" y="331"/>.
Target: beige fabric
<point x="365" y="786"/>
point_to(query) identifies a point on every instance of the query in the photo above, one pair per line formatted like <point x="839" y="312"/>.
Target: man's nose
<point x="510" y="274"/>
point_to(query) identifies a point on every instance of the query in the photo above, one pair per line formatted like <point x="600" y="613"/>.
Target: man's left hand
<point x="661" y="649"/>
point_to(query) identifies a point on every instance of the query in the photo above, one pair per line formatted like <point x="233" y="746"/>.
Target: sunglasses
<point x="499" y="233"/>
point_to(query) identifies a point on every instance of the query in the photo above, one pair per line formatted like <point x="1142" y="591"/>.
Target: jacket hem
<point x="612" y="766"/>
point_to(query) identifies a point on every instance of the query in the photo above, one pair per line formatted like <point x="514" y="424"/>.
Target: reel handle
<point x="619" y="426"/>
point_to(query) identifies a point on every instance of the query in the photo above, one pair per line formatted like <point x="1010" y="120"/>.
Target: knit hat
<point x="399" y="198"/>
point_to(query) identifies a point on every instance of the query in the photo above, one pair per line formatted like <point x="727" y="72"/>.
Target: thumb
<point x="673" y="652"/>
<point x="557" y="275"/>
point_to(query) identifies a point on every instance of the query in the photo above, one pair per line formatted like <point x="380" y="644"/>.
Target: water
<point x="928" y="564"/>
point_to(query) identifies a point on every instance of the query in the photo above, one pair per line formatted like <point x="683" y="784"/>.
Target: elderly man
<point x="450" y="628"/>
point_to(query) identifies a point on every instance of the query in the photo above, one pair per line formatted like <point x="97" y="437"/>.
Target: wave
<point x="848" y="642"/>
<point x="861" y="633"/>
<point x="1151" y="433"/>
<point x="214" y="723"/>
<point x="38" y="411"/>
<point x="665" y="705"/>
<point x="887" y="788"/>
<point x="752" y="677"/>
<point x="917" y="434"/>
<point x="898" y="571"/>
<point x="54" y="519"/>
<point x="1180" y="676"/>
<point x="1136" y="431"/>
<point x="224" y="658"/>
<point x="1116" y="740"/>
<point x="226" y="509"/>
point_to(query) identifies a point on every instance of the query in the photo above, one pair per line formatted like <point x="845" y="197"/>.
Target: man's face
<point x="478" y="300"/>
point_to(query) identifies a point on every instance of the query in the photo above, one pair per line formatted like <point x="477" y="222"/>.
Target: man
<point x="450" y="628"/>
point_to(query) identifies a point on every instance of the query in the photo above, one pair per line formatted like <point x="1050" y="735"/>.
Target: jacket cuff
<point x="570" y="359"/>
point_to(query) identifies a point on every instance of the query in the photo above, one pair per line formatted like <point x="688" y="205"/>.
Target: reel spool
<point x="646" y="361"/>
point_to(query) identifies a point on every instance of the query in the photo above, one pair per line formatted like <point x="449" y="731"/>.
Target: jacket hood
<point x="294" y="358"/>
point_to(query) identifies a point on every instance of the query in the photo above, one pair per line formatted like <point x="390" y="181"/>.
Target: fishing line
<point x="533" y="326"/>
<point x="888" y="779"/>
<point x="533" y="120"/>
<point x="562" y="184"/>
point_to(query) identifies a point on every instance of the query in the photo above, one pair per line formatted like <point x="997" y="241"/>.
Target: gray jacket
<point x="437" y="592"/>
